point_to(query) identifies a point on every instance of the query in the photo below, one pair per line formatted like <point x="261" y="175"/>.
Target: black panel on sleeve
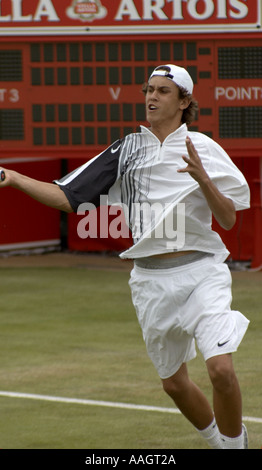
<point x="93" y="179"/>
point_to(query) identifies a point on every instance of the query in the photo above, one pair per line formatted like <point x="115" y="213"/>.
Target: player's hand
<point x="194" y="165"/>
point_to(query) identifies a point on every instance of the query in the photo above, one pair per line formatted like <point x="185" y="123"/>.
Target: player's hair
<point x="189" y="114"/>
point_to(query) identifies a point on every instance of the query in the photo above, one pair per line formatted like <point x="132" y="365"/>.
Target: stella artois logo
<point x="86" y="10"/>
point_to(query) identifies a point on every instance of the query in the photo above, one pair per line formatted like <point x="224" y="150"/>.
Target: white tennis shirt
<point x="165" y="210"/>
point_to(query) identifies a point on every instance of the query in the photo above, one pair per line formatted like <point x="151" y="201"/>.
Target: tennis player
<point x="180" y="284"/>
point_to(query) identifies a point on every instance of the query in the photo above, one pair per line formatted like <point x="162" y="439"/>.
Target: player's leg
<point x="218" y="333"/>
<point x="227" y="400"/>
<point x="226" y="394"/>
<point x="188" y="398"/>
<point x="194" y="405"/>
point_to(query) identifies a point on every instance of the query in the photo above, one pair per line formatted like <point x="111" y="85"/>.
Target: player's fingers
<point x="189" y="143"/>
<point x="185" y="169"/>
<point x="191" y="149"/>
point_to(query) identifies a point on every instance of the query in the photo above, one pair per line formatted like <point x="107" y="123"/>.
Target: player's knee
<point x="174" y="387"/>
<point x="222" y="376"/>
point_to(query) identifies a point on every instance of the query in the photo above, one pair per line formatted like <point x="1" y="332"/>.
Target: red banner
<point x="43" y="17"/>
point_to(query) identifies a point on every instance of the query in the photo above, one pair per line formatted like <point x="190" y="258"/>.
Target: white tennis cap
<point x="177" y="74"/>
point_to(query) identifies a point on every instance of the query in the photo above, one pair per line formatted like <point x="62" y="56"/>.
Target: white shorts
<point x="178" y="306"/>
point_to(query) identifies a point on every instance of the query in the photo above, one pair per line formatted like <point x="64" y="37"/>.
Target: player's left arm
<point x="221" y="206"/>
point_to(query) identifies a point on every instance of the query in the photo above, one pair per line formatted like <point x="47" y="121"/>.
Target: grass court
<point x="71" y="331"/>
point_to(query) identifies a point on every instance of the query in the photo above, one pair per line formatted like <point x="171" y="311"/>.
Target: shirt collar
<point x="178" y="133"/>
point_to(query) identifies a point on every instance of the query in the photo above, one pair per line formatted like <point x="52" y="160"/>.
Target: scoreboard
<point x="67" y="98"/>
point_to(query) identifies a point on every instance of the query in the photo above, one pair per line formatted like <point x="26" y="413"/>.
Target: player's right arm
<point x="46" y="193"/>
<point x="84" y="184"/>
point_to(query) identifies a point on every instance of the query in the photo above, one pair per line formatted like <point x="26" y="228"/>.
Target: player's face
<point x="163" y="104"/>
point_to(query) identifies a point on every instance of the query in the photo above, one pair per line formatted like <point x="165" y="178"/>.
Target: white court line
<point x="110" y="404"/>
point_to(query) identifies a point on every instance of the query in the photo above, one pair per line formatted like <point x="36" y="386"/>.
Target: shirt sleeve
<point x="93" y="179"/>
<point x="226" y="176"/>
